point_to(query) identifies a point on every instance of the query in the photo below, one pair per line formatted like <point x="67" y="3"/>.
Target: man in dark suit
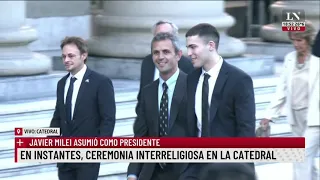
<point x="220" y="96"/>
<point x="163" y="108"/>
<point x="149" y="72"/>
<point x="85" y="106"/>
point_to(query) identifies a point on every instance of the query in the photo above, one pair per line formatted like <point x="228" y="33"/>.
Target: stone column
<point x="15" y="57"/>
<point x="273" y="32"/>
<point x="127" y="26"/>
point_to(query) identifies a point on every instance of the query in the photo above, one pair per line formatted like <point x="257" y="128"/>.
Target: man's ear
<point x="179" y="54"/>
<point x="212" y="46"/>
<point x="84" y="56"/>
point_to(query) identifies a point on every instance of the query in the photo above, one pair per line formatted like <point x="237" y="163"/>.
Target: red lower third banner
<point x="159" y="142"/>
<point x="170" y="150"/>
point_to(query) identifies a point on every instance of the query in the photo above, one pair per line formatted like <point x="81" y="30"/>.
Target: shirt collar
<point x="215" y="70"/>
<point x="171" y="81"/>
<point x="80" y="74"/>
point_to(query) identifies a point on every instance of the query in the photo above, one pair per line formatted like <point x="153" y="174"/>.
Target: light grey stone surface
<point x="66" y="8"/>
<point x="28" y="87"/>
<point x="254" y="65"/>
<point x="278" y="50"/>
<point x="126" y="25"/>
<point x="15" y="35"/>
<point x="52" y="30"/>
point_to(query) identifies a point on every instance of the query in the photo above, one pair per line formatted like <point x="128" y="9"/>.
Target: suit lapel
<point x="60" y="95"/>
<point x="216" y="95"/>
<point x="176" y="99"/>
<point x="314" y="72"/>
<point x="194" y="79"/>
<point x="83" y="88"/>
<point x="149" y="71"/>
<point x="154" y="108"/>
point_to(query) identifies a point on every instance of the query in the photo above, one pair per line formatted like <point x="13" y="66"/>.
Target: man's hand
<point x="265" y="121"/>
<point x="132" y="178"/>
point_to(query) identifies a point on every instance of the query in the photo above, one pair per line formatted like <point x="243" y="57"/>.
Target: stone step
<point x="124" y="127"/>
<point x="258" y="46"/>
<point x="44" y="104"/>
<point x="262" y="85"/>
<point x="12" y="112"/>
<point x="7" y="123"/>
<point x="124" y="111"/>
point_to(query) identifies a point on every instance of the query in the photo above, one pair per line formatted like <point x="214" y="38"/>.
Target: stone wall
<point x="56" y="19"/>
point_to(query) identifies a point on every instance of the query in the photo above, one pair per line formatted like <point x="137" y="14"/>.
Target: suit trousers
<point x="306" y="170"/>
<point x="164" y="174"/>
<point x="88" y="171"/>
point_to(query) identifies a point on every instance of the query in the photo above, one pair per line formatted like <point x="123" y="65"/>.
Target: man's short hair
<point x="167" y="36"/>
<point x="228" y="171"/>
<point x="78" y="41"/>
<point x="205" y="31"/>
<point x="175" y="30"/>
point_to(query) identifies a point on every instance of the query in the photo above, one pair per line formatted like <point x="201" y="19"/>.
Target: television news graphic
<point x="293" y="20"/>
<point x="148" y="150"/>
<point x="36" y="132"/>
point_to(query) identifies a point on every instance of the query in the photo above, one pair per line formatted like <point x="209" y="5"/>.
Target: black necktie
<point x="205" y="106"/>
<point x="69" y="99"/>
<point x="163" y="114"/>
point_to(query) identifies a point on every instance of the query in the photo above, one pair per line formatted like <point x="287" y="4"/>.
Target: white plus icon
<point x="19" y="142"/>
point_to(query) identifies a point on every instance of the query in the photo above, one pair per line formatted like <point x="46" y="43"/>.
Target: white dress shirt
<point x="171" y="83"/>
<point x="76" y="87"/>
<point x="213" y="72"/>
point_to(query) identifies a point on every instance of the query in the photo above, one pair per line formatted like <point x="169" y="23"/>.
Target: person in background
<point x="316" y="46"/>
<point x="163" y="108"/>
<point x="298" y="94"/>
<point x="85" y="106"/>
<point x="149" y="72"/>
<point x="227" y="171"/>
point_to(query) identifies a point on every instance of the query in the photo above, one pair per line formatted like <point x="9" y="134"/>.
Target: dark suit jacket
<point x="316" y="46"/>
<point x="95" y="108"/>
<point x="232" y="109"/>
<point x="147" y="72"/>
<point x="147" y="124"/>
<point x="227" y="171"/>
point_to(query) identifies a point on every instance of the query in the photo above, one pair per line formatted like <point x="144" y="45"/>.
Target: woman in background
<point x="298" y="92"/>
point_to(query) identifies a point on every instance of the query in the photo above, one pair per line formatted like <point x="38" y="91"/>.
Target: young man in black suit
<point x="163" y="108"/>
<point x="220" y="96"/>
<point x="149" y="72"/>
<point x="85" y="106"/>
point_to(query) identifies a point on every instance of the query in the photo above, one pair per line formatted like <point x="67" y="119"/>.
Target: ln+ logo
<point x="293" y="20"/>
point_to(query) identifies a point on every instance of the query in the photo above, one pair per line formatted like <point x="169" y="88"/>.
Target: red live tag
<point x="18" y="131"/>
